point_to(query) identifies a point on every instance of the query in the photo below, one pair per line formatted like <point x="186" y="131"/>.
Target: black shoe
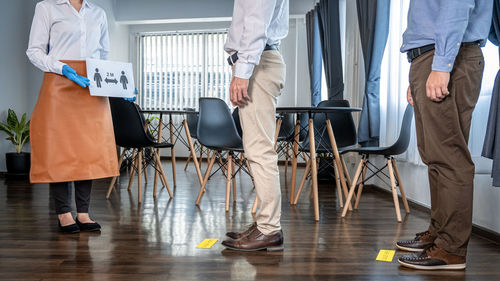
<point x="421" y="241"/>
<point x="68" y="229"/>
<point x="90" y="226"/>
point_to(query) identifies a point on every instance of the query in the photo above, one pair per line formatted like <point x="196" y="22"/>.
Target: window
<point x="178" y="68"/>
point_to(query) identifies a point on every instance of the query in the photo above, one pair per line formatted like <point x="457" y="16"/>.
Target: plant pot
<point x="18" y="163"/>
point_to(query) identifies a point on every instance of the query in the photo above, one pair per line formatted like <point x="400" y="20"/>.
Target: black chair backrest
<point x="401" y="145"/>
<point x="342" y="123"/>
<point x="128" y="124"/>
<point x="216" y="128"/>
<point x="192" y="122"/>
<point x="236" y="118"/>
<point x="287" y="129"/>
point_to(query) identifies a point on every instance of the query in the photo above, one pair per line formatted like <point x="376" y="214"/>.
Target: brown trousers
<point x="442" y="137"/>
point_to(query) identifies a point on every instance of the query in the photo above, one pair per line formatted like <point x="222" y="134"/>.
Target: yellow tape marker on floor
<point x="386" y="255"/>
<point x="207" y="243"/>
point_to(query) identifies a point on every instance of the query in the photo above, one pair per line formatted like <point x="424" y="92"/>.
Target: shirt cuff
<point x="243" y="70"/>
<point x="57" y="67"/>
<point x="443" y="64"/>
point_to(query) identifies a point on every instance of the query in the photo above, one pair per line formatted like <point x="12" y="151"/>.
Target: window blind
<point x="178" y="68"/>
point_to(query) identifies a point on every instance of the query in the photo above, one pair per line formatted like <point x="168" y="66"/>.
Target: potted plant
<point x="18" y="131"/>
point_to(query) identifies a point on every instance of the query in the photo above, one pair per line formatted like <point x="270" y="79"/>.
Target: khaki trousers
<point x="258" y="122"/>
<point x="442" y="137"/>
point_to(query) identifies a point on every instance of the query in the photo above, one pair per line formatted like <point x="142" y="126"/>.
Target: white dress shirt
<point x="255" y="24"/>
<point x="60" y="32"/>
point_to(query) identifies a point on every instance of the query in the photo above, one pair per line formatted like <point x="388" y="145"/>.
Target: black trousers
<point x="61" y="191"/>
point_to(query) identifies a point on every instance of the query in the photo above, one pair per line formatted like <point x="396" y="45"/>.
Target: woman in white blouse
<point x="72" y="138"/>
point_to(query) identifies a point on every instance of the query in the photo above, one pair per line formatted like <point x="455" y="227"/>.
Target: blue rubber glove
<point x="134" y="98"/>
<point x="73" y="76"/>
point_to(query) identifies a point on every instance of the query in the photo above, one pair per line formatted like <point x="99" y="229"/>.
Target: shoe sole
<point x="414" y="250"/>
<point x="269" y="249"/>
<point x="436" y="267"/>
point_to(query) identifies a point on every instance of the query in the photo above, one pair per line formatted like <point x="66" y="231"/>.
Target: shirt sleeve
<point x="39" y="42"/>
<point x="104" y="41"/>
<point x="257" y="17"/>
<point x="451" y="24"/>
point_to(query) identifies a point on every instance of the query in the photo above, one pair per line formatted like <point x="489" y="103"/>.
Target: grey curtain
<point x="373" y="19"/>
<point x="491" y="147"/>
<point x="329" y="27"/>
<point x="314" y="55"/>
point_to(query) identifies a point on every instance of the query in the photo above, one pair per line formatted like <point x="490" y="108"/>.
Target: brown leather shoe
<point x="421" y="241"/>
<point x="433" y="258"/>
<point x="257" y="241"/>
<point x="238" y="235"/>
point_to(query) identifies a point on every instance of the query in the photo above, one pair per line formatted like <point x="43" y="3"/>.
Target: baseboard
<point x="480" y="231"/>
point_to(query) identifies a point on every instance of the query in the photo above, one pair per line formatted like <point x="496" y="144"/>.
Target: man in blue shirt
<point x="443" y="42"/>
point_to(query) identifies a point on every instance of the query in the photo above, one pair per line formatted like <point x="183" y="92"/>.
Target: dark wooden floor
<point x="157" y="240"/>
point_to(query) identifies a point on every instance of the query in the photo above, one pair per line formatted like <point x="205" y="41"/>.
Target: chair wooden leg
<point x="394" y="190"/>
<point x="346" y="171"/>
<point x="255" y="204"/>
<point x="287" y="155"/>
<point x="294" y="161"/>
<point x="163" y="177"/>
<point x="133" y="167"/>
<point x="302" y="182"/>
<point x="172" y="150"/>
<point x="144" y="164"/>
<point x="228" y="179"/>
<point x="234" y="181"/>
<point x="353" y="187"/>
<point x="192" y="152"/>
<point x="201" y="156"/>
<point x="139" y="175"/>
<point x="361" y="185"/>
<point x="401" y="189"/>
<point x="187" y="162"/>
<point x="337" y="184"/>
<point x="113" y="181"/>
<point x="160" y="139"/>
<point x="205" y="179"/>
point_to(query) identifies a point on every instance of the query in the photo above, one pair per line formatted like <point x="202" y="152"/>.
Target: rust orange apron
<point x="71" y="132"/>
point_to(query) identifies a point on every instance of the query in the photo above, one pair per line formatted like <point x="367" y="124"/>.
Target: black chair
<point x="399" y="147"/>
<point x="131" y="134"/>
<point x="192" y="122"/>
<point x="218" y="132"/>
<point x="344" y="130"/>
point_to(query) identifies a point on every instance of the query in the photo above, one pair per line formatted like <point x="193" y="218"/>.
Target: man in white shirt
<point x="258" y="77"/>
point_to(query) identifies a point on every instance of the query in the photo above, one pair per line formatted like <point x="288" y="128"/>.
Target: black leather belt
<point x="233" y="58"/>
<point x="414" y="53"/>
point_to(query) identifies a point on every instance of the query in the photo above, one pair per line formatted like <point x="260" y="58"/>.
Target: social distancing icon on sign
<point x="110" y="79"/>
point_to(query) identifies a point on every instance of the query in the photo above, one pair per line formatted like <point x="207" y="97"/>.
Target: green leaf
<point x="12" y="119"/>
<point x="6" y="129"/>
<point x="23" y="120"/>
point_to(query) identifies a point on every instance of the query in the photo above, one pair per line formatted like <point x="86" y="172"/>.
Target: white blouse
<point x="60" y="32"/>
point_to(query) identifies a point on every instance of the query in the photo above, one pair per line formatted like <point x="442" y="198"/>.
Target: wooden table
<point x="311" y="111"/>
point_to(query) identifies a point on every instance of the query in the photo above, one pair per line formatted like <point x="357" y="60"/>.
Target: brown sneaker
<point x="421" y="241"/>
<point x="433" y="258"/>
<point x="238" y="235"/>
<point x="257" y="241"/>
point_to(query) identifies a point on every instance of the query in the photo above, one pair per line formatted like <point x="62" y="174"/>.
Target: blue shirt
<point x="446" y="23"/>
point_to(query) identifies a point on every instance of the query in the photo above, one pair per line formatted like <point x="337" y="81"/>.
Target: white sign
<point x="110" y="79"/>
